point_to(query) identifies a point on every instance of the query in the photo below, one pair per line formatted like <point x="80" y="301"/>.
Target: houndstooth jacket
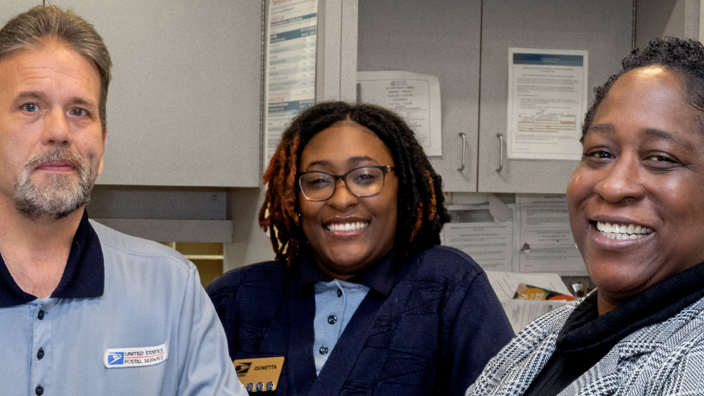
<point x="665" y="358"/>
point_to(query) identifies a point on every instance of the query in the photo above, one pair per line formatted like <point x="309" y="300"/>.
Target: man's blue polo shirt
<point x="129" y="317"/>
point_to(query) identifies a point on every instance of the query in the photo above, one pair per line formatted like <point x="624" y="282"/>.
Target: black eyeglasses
<point x="364" y="181"/>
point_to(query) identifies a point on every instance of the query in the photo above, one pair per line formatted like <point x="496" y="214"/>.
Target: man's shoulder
<point x="117" y="244"/>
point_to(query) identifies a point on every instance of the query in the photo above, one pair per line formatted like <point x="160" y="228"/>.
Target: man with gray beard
<point x="64" y="195"/>
<point x="84" y="310"/>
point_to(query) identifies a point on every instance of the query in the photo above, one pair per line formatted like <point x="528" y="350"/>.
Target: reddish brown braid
<point x="278" y="214"/>
<point x="420" y="213"/>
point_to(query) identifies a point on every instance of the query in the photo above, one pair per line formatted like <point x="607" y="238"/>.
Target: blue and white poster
<point x="290" y="66"/>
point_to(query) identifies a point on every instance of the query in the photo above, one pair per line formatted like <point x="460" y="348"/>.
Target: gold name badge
<point x="260" y="374"/>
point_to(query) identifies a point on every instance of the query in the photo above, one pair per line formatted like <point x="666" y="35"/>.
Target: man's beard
<point x="60" y="194"/>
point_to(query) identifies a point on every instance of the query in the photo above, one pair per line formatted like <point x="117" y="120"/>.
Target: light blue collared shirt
<point x="119" y="295"/>
<point x="335" y="303"/>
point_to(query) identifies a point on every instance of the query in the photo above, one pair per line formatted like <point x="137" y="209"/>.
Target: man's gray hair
<point x="42" y="23"/>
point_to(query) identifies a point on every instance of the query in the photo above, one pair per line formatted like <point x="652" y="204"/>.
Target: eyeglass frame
<point x="384" y="170"/>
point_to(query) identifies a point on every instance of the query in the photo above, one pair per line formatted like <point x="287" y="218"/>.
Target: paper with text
<point x="547" y="100"/>
<point x="289" y="66"/>
<point x="415" y="97"/>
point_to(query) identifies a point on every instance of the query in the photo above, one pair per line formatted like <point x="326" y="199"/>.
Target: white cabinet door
<point x="184" y="103"/>
<point x="603" y="27"/>
<point x="440" y="39"/>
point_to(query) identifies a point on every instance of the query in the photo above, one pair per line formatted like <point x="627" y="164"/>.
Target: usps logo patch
<point x="115" y="358"/>
<point x="136" y="357"/>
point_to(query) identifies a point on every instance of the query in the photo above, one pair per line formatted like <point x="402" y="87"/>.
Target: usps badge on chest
<point x="259" y="374"/>
<point x="136" y="357"/>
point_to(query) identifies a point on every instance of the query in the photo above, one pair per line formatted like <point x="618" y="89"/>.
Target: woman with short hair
<point x="636" y="205"/>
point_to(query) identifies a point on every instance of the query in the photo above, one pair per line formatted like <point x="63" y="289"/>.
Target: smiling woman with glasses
<point x="361" y="298"/>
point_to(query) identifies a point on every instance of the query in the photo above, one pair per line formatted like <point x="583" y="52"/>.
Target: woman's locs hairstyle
<point x="683" y="56"/>
<point x="421" y="212"/>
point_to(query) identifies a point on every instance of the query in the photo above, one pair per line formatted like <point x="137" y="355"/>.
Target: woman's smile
<point x="347" y="228"/>
<point x="623" y="231"/>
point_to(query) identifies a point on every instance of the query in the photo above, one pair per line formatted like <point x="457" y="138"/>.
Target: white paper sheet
<point x="547" y="100"/>
<point x="474" y="231"/>
<point x="290" y="66"/>
<point x="545" y="236"/>
<point x="415" y="97"/>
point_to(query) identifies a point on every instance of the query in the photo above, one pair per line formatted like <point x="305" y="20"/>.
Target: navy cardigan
<point x="428" y="325"/>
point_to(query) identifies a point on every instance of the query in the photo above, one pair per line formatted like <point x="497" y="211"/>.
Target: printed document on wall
<point x="290" y="66"/>
<point x="547" y="100"/>
<point x="415" y="97"/>
<point x="545" y="238"/>
<point x="474" y="231"/>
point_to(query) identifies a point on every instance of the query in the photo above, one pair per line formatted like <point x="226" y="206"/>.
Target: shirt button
<point x="332" y="319"/>
<point x="40" y="353"/>
<point x="339" y="293"/>
<point x="40" y="315"/>
<point x="39" y="390"/>
<point x="323" y="350"/>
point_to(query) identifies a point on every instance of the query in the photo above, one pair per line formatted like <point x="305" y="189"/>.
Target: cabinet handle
<point x="501" y="152"/>
<point x="464" y="150"/>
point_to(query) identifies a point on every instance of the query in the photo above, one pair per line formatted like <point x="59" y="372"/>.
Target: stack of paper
<point x="521" y="312"/>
